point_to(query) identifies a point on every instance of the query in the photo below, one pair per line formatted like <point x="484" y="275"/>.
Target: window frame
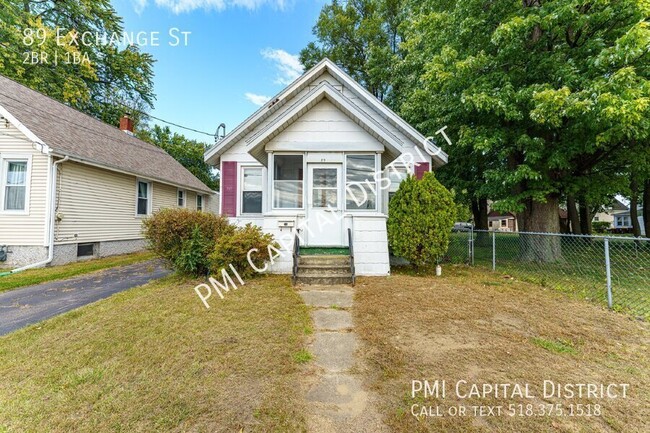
<point x="374" y="177"/>
<point x="241" y="190"/>
<point x="5" y="159"/>
<point x="199" y="197"/>
<point x="180" y="191"/>
<point x="392" y="168"/>
<point x="149" y="197"/>
<point x="272" y="177"/>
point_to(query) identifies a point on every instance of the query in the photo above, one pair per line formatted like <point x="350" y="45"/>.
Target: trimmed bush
<point x="184" y="238"/>
<point x="233" y="249"/>
<point x="600" y="226"/>
<point x="421" y="215"/>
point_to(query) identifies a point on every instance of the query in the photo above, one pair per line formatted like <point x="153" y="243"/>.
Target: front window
<point x="360" y="184"/>
<point x="199" y="203"/>
<point x="181" y="198"/>
<point x="143" y="198"/>
<point x="396" y="175"/>
<point x="287" y="181"/>
<point x="251" y="201"/>
<point x="15" y="186"/>
<point x="504" y="223"/>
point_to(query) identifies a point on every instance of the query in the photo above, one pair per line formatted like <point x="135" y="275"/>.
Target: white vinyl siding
<point x="25" y="227"/>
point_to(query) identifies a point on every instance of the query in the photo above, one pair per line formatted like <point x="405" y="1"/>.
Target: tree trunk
<point x="573" y="214"/>
<point x="585" y="217"/>
<point x="541" y="218"/>
<point x="634" y="204"/>
<point x="646" y="208"/>
<point x="480" y="212"/>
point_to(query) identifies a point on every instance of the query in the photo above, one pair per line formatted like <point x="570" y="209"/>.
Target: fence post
<point x="494" y="250"/>
<point x="470" y="252"/>
<point x="608" y="272"/>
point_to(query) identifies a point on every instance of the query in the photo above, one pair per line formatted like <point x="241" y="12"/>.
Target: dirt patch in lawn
<point x="155" y="359"/>
<point x="479" y="327"/>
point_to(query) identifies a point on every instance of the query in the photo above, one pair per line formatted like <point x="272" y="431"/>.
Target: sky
<point x="238" y="54"/>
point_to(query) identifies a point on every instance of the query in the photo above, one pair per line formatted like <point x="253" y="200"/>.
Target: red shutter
<point x="420" y="169"/>
<point x="229" y="188"/>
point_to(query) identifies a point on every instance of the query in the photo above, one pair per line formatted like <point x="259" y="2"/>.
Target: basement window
<point x="85" y="250"/>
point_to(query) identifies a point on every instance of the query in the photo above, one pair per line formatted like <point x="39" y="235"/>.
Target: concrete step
<point x="325" y="279"/>
<point x="323" y="269"/>
<point x="324" y="260"/>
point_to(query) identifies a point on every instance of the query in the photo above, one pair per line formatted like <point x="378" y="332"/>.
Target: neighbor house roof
<point x="213" y="154"/>
<point x="64" y="131"/>
<point x="497" y="214"/>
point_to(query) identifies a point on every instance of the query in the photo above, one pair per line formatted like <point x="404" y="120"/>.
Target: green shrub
<point x="193" y="257"/>
<point x="421" y="215"/>
<point x="184" y="238"/>
<point x="233" y="249"/>
<point x="600" y="226"/>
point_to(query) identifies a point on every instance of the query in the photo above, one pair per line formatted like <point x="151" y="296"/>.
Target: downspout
<point x="50" y="228"/>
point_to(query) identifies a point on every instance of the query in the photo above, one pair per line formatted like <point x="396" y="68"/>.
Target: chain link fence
<point x="613" y="270"/>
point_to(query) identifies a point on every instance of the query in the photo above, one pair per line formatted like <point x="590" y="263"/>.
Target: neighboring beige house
<point x="73" y="187"/>
<point x="502" y="221"/>
<point x="609" y="214"/>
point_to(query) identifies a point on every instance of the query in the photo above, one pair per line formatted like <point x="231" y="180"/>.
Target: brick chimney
<point x="126" y="124"/>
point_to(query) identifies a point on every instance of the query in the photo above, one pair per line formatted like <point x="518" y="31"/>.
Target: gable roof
<point x="57" y="129"/>
<point x="324" y="91"/>
<point x="213" y="154"/>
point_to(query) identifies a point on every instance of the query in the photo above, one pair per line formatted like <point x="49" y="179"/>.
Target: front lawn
<point x="155" y="359"/>
<point x="51" y="273"/>
<point x="481" y="327"/>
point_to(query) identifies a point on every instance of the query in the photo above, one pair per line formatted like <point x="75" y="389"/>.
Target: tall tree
<point x="363" y="37"/>
<point x="93" y="76"/>
<point x="549" y="90"/>
<point x="188" y="152"/>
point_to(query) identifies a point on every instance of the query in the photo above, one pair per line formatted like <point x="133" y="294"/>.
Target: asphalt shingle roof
<point x="70" y="132"/>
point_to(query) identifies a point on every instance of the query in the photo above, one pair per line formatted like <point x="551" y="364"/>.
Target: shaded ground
<point x="480" y="327"/>
<point x="32" y="304"/>
<point x="155" y="359"/>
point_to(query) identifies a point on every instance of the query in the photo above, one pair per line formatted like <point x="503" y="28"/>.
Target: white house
<point x="72" y="187"/>
<point x="623" y="220"/>
<point x="318" y="160"/>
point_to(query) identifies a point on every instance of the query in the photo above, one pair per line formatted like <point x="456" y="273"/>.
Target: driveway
<point x="32" y="304"/>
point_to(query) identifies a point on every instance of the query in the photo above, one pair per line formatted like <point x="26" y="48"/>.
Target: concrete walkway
<point x="336" y="400"/>
<point x="32" y="304"/>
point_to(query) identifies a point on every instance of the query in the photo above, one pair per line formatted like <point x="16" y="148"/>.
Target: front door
<point x="325" y="207"/>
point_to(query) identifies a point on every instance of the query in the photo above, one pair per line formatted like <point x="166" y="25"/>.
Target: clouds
<point x="258" y="100"/>
<point x="184" y="6"/>
<point x="288" y="65"/>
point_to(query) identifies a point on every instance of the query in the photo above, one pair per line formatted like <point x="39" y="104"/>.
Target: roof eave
<point x="86" y="161"/>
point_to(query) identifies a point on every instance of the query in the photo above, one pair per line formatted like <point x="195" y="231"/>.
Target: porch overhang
<point x="393" y="146"/>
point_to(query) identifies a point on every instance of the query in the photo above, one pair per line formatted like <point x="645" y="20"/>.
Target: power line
<point x="56" y="72"/>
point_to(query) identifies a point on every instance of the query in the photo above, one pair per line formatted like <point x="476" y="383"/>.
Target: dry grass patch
<point x="483" y="328"/>
<point x="155" y="359"/>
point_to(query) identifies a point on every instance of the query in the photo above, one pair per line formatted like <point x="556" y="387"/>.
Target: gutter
<point x="50" y="228"/>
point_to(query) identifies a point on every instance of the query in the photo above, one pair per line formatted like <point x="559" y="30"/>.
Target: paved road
<point x="28" y="305"/>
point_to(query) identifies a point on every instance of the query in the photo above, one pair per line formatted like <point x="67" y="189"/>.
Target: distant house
<point x="73" y="187"/>
<point x="608" y="213"/>
<point x="623" y="221"/>
<point x="322" y="157"/>
<point x="502" y="221"/>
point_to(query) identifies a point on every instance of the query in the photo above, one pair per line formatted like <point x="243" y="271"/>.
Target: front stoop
<point x="324" y="269"/>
